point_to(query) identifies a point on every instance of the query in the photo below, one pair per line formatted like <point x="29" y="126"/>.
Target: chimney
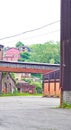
<point x="1" y="52"/>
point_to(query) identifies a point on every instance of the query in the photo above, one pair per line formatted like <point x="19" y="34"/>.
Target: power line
<point x="35" y="36"/>
<point x="42" y="34"/>
<point x="32" y="30"/>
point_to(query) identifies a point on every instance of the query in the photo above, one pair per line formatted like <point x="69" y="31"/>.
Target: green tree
<point x="12" y="75"/>
<point x="24" y="56"/>
<point x="52" y="61"/>
<point x="19" y="44"/>
<point x="38" y="87"/>
<point x="33" y="75"/>
<point x="48" y="52"/>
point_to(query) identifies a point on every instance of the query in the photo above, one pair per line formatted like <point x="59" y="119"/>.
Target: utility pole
<point x="65" y="53"/>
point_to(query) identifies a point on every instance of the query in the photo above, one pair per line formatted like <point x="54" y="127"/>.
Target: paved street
<point x="33" y="113"/>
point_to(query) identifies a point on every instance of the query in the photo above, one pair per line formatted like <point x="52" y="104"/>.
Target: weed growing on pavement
<point x="65" y="105"/>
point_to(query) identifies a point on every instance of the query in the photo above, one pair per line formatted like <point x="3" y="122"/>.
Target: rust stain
<point x="23" y="70"/>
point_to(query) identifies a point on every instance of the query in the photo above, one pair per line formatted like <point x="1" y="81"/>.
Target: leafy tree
<point x="33" y="75"/>
<point x="48" y="52"/>
<point x="52" y="61"/>
<point x="12" y="75"/>
<point x="38" y="87"/>
<point x="24" y="56"/>
<point x="19" y="44"/>
<point x="4" y="74"/>
<point x="27" y="80"/>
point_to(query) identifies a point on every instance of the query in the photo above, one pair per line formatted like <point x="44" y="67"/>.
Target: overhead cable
<point x="34" y="36"/>
<point x="32" y="30"/>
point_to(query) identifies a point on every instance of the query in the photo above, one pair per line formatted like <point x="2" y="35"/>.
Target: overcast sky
<point x="17" y="16"/>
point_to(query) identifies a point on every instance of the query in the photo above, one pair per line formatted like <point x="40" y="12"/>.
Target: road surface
<point x="33" y="113"/>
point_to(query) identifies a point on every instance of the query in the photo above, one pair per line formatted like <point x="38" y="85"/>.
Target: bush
<point x="38" y="87"/>
<point x="65" y="105"/>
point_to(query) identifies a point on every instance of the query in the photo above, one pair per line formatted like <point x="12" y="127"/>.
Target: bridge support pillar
<point x="66" y="51"/>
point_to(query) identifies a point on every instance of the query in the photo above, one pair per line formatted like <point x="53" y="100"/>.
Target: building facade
<point x="23" y="86"/>
<point x="51" y="84"/>
<point x="8" y="84"/>
<point x="11" y="54"/>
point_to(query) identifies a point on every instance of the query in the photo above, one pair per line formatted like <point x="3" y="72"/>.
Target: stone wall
<point x="0" y="82"/>
<point x="67" y="97"/>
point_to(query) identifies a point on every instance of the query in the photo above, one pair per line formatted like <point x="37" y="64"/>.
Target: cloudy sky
<point x="18" y="16"/>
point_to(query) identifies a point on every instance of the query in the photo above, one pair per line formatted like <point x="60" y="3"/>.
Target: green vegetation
<point x="19" y="94"/>
<point x="48" y="52"/>
<point x="12" y="75"/>
<point x="27" y="80"/>
<point x="33" y="75"/>
<point x="19" y="44"/>
<point x="38" y="85"/>
<point x="4" y="74"/>
<point x="24" y="56"/>
<point x="65" y="105"/>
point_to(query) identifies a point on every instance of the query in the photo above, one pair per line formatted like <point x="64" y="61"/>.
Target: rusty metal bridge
<point x="27" y="67"/>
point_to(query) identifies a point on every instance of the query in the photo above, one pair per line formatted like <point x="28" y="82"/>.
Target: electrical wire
<point x="29" y="31"/>
<point x="34" y="36"/>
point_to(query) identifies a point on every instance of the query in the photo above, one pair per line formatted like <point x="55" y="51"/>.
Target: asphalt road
<point x="33" y="113"/>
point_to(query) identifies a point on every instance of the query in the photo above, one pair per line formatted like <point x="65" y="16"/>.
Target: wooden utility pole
<point x="65" y="53"/>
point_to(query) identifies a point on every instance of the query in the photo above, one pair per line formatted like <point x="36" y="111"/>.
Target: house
<point x="11" y="54"/>
<point x="8" y="83"/>
<point x="25" y="75"/>
<point x="23" y="49"/>
<point x="23" y="86"/>
<point x="17" y="76"/>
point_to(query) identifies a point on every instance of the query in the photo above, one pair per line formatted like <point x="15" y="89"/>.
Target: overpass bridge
<point x="27" y="67"/>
